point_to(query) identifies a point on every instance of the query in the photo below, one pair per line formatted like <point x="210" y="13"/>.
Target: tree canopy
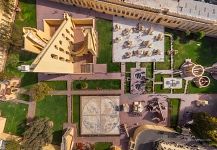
<point x="38" y="134"/>
<point x="204" y="126"/>
<point x="39" y="91"/>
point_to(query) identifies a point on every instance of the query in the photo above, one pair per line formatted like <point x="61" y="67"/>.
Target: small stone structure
<point x="172" y="83"/>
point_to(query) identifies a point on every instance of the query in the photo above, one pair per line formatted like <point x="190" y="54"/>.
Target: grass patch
<point x="16" y="117"/>
<point x="160" y="77"/>
<point x="55" y="108"/>
<point x="166" y="64"/>
<point x="102" y="146"/>
<point x="57" y="85"/>
<point x="149" y="69"/>
<point x="25" y="18"/>
<point x="129" y="66"/>
<point x="158" y="88"/>
<point x="76" y="111"/>
<point x="174" y="112"/>
<point x="96" y="84"/>
<point x="199" y="52"/>
<point x="104" y="29"/>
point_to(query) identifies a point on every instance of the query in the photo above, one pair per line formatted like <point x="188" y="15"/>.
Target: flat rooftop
<point x="132" y="45"/>
<point x="99" y="115"/>
<point x="184" y="7"/>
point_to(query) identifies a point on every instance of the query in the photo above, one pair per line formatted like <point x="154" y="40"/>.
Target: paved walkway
<point x="97" y="76"/>
<point x="87" y="92"/>
<point x="48" y="9"/>
<point x="31" y="111"/>
<point x="163" y="71"/>
<point x="92" y="139"/>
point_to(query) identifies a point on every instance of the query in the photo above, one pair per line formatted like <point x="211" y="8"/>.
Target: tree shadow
<point x="21" y="127"/>
<point x="29" y="79"/>
<point x="28" y="1"/>
<point x="57" y="137"/>
<point x="25" y="56"/>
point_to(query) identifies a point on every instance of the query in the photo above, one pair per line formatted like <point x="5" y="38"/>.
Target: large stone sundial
<point x="99" y="115"/>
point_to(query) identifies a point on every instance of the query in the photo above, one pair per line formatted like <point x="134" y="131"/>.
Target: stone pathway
<point x="93" y="139"/>
<point x="49" y="9"/>
<point x="31" y="111"/>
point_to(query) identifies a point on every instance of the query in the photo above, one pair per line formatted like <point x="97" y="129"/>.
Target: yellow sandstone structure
<point x="179" y="14"/>
<point x="68" y="139"/>
<point x="66" y="46"/>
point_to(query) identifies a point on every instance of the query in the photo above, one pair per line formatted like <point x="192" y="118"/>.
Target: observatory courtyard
<point x="119" y="75"/>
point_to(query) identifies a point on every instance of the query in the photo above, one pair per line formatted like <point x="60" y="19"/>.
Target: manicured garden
<point x="160" y="77"/>
<point x="166" y="64"/>
<point x="57" y="85"/>
<point x="97" y="84"/>
<point x="130" y="65"/>
<point x="174" y="105"/>
<point x="16" y="117"/>
<point x="104" y="29"/>
<point x="158" y="88"/>
<point x="202" y="52"/>
<point x="55" y="108"/>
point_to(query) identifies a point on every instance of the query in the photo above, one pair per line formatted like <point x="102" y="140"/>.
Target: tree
<point x="84" y="85"/>
<point x="204" y="126"/>
<point x="200" y="35"/>
<point x="12" y="145"/>
<point x="38" y="134"/>
<point x="39" y="91"/>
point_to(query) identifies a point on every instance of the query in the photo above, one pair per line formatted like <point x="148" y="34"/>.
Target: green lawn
<point x="102" y="146"/>
<point x="16" y="57"/>
<point x="198" y="51"/>
<point x="149" y="69"/>
<point x="160" y="77"/>
<point x="158" y="88"/>
<point x="27" y="17"/>
<point x="94" y="84"/>
<point x="104" y="29"/>
<point x="55" y="108"/>
<point x="130" y="65"/>
<point x="16" y="117"/>
<point x="76" y="110"/>
<point x="166" y="64"/>
<point x="174" y="105"/>
<point x="57" y="85"/>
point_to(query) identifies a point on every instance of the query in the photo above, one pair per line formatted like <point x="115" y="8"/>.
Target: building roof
<point x="190" y="8"/>
<point x="63" y="45"/>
